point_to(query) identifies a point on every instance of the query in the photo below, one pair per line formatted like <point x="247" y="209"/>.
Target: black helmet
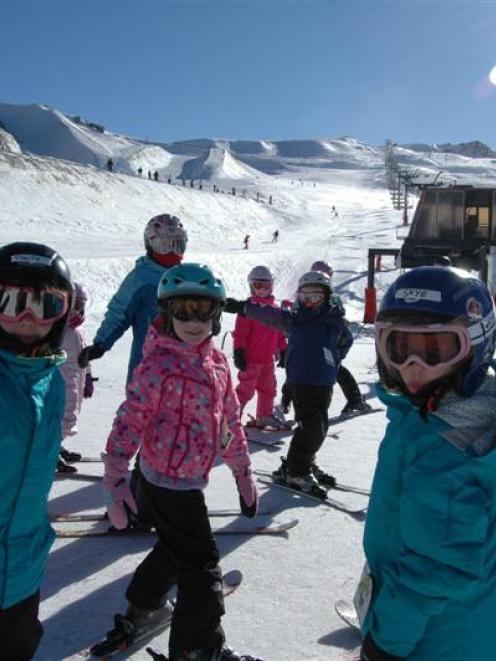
<point x="36" y="265"/>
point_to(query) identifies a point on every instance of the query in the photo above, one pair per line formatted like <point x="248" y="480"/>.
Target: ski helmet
<point x="191" y="280"/>
<point x="165" y="234"/>
<point x="322" y="266"/>
<point x="80" y="299"/>
<point x="36" y="265"/>
<point x="315" y="278"/>
<point x="261" y="274"/>
<point x="437" y="295"/>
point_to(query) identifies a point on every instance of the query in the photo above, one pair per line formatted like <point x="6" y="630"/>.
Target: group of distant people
<point x="154" y="175"/>
<point x="429" y="589"/>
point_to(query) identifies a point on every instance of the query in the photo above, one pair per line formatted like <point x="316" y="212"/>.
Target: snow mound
<point x="216" y="165"/>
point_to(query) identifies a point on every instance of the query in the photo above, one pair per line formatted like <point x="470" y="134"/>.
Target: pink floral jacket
<point x="179" y="408"/>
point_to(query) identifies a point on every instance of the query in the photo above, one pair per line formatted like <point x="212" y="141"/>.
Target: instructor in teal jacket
<point x="430" y="534"/>
<point x="36" y="296"/>
<point x="134" y="305"/>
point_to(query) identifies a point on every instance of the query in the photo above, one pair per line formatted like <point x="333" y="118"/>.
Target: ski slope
<point x="284" y="609"/>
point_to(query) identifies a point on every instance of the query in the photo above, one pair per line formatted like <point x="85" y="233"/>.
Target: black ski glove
<point x="281" y="362"/>
<point x="240" y="359"/>
<point x="248" y="496"/>
<point x="371" y="652"/>
<point x="156" y="656"/>
<point x="91" y="352"/>
<point x="234" y="307"/>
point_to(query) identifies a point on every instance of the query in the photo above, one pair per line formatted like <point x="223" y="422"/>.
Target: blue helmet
<point x="190" y="279"/>
<point x="430" y="294"/>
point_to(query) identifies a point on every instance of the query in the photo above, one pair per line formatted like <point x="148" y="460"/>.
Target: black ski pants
<point x="310" y="405"/>
<point x="20" y="629"/>
<point x="186" y="554"/>
<point x="345" y="380"/>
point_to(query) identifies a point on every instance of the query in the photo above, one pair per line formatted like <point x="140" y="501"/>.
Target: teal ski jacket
<point x="32" y="394"/>
<point x="134" y="304"/>
<point x="430" y="534"/>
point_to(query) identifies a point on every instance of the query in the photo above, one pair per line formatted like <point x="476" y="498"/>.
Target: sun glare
<point x="492" y="76"/>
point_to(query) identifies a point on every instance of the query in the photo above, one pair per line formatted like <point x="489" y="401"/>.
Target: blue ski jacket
<point x="318" y="340"/>
<point x="32" y="394"/>
<point x="430" y="534"/>
<point x="134" y="304"/>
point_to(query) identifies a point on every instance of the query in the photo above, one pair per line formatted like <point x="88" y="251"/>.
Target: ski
<point x="102" y="516"/>
<point x="323" y="499"/>
<point x="347" y="613"/>
<point x="108" y="648"/>
<point x="348" y="488"/>
<point x="78" y="476"/>
<point x="336" y="419"/>
<point x="273" y="528"/>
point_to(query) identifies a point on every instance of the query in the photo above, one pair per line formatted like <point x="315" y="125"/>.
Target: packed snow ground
<point x="284" y="609"/>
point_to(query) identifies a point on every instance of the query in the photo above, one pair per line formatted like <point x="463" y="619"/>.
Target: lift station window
<point x="439" y="216"/>
<point x="477" y="214"/>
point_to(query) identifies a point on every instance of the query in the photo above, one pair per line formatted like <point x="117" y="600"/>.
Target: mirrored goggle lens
<point x="313" y="297"/>
<point x="432" y="348"/>
<point x="165" y="244"/>
<point x="188" y="309"/>
<point x="46" y="305"/>
<point x="261" y="284"/>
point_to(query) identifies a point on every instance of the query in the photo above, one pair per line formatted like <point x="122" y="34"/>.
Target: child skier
<point x="78" y="381"/>
<point x="432" y="592"/>
<point x="345" y="379"/>
<point x="318" y="339"/>
<point x="181" y="410"/>
<point x="255" y="347"/>
<point x="35" y="299"/>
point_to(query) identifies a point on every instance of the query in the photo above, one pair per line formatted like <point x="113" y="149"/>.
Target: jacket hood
<point x="471" y="420"/>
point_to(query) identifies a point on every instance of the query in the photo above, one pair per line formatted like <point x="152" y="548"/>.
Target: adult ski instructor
<point x="135" y="302"/>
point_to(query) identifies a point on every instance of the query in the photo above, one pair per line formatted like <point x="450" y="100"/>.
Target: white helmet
<point x="320" y="265"/>
<point x="165" y="234"/>
<point x="260" y="273"/>
<point x="315" y="278"/>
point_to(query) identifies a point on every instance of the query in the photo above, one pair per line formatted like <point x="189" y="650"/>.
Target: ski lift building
<point x="459" y="221"/>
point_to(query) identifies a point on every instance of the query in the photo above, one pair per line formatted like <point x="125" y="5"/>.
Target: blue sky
<point x="412" y="71"/>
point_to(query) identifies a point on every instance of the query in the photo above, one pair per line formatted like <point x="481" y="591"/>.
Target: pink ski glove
<point x="248" y="496"/>
<point x="117" y="496"/>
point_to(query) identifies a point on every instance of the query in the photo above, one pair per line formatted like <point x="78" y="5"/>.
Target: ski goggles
<point x="45" y="305"/>
<point x="195" y="309"/>
<point x="311" y="298"/>
<point x="165" y="244"/>
<point x="431" y="346"/>
<point x="261" y="284"/>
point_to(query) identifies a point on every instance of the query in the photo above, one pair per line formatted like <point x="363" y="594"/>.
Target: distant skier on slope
<point x="431" y="593"/>
<point x="36" y="294"/>
<point x="182" y="411"/>
<point x="318" y="340"/>
<point x="255" y="348"/>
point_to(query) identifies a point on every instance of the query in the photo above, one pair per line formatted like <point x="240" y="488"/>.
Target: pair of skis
<point x="236" y="527"/>
<point x="267" y="478"/>
<point x="111" y="645"/>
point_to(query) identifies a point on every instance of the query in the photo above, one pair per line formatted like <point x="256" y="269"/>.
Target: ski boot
<point x="356" y="405"/>
<point x="70" y="457"/>
<point x="136" y="624"/>
<point x="64" y="469"/>
<point x="225" y="653"/>
<point x="322" y="477"/>
<point x="307" y="483"/>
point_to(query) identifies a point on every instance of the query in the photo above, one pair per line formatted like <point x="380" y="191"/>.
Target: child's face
<point x="27" y="330"/>
<point x="311" y="296"/>
<point x="192" y="332"/>
<point x="415" y="376"/>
